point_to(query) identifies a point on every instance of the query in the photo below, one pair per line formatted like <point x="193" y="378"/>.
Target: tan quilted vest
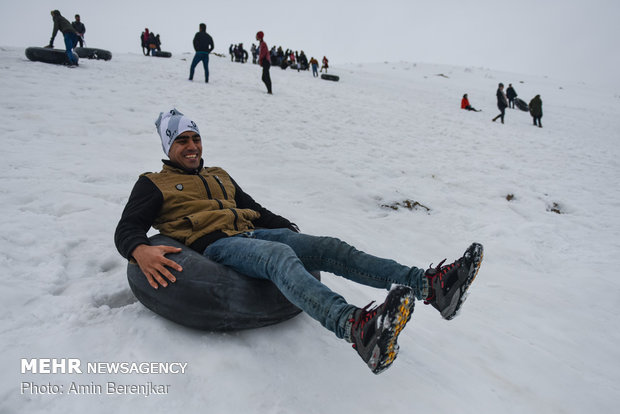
<point x="198" y="204"/>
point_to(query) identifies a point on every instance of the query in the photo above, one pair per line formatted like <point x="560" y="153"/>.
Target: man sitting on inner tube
<point x="204" y="208"/>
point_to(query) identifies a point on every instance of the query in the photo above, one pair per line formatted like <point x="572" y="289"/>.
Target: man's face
<point x="186" y="150"/>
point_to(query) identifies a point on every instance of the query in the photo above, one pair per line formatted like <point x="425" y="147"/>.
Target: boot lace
<point x="439" y="271"/>
<point x="366" y="315"/>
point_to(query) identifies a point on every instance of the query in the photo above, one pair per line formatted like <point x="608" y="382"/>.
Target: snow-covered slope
<point x="539" y="333"/>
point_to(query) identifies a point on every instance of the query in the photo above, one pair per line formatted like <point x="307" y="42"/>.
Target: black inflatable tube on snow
<point x="48" y="55"/>
<point x="330" y="77"/>
<point x="522" y="105"/>
<point x="210" y="296"/>
<point x="161" y="54"/>
<point x="93" y="53"/>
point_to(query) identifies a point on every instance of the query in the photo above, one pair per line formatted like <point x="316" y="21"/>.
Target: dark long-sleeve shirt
<point x="203" y="42"/>
<point x="146" y="205"/>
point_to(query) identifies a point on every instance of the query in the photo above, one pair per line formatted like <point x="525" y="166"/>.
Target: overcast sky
<point x="564" y="39"/>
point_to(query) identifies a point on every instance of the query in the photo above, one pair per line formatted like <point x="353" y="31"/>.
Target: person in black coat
<point x="511" y="94"/>
<point x="203" y="45"/>
<point x="536" y="110"/>
<point x="80" y="29"/>
<point x="302" y="61"/>
<point x="152" y="43"/>
<point x="502" y="102"/>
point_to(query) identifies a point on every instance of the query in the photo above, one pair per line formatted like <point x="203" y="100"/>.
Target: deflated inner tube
<point x="334" y="78"/>
<point x="161" y="54"/>
<point x="522" y="105"/>
<point x="210" y="296"/>
<point x="93" y="53"/>
<point x="48" y="55"/>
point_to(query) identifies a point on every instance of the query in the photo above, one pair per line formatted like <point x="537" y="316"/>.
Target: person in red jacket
<point x="465" y="104"/>
<point x="325" y="64"/>
<point x="264" y="60"/>
<point x="144" y="38"/>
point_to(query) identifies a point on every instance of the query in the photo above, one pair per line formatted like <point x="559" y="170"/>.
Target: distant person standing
<point x="502" y="102"/>
<point x="144" y="37"/>
<point x="203" y="45"/>
<point x="536" y="110"/>
<point x="325" y="64"/>
<point x="302" y="60"/>
<point x="254" y="51"/>
<point x="69" y="33"/>
<point x="79" y="28"/>
<point x="242" y="53"/>
<point x="152" y="42"/>
<point x="315" y="67"/>
<point x="264" y="60"/>
<point x="511" y="94"/>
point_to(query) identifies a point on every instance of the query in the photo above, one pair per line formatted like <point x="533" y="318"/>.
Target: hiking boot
<point x="374" y="331"/>
<point x="448" y="284"/>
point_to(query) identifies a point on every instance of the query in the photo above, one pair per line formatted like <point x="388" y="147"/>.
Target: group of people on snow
<point x="73" y="34"/>
<point x="239" y="54"/>
<point x="266" y="59"/>
<point x="507" y="100"/>
<point x="203" y="46"/>
<point x="284" y="59"/>
<point x="151" y="42"/>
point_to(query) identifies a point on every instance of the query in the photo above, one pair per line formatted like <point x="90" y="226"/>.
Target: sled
<point x="210" y="296"/>
<point x="161" y="54"/>
<point x="521" y="104"/>
<point x="48" y="55"/>
<point x="93" y="53"/>
<point x="330" y="77"/>
<point x="297" y="66"/>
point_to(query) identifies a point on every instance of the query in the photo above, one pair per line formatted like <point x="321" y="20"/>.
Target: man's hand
<point x="153" y="263"/>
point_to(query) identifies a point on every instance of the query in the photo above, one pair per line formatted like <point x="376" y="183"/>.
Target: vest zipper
<point x="221" y="186"/>
<point x="226" y="198"/>
<point x="209" y="191"/>
<point x="218" y="201"/>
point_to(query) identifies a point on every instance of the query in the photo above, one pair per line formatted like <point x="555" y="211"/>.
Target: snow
<point x="539" y="331"/>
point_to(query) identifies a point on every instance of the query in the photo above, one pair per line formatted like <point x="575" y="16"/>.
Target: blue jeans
<point x="71" y="40"/>
<point x="286" y="258"/>
<point x="200" y="56"/>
